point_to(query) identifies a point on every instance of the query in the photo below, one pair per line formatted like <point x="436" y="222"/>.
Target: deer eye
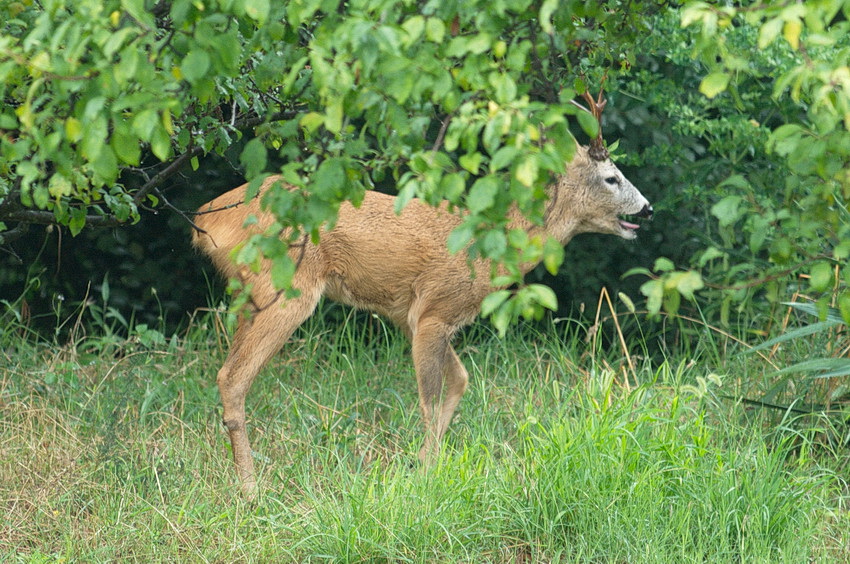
<point x="612" y="181"/>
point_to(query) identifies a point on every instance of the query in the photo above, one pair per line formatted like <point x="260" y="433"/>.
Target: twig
<point x="160" y="176"/>
<point x="441" y="134"/>
<point x="185" y="215"/>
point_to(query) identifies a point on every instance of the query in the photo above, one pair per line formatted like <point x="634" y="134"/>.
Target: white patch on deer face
<point x="625" y="202"/>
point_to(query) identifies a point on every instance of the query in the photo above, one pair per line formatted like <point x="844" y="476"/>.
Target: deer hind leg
<point x="256" y="341"/>
<point x="436" y="362"/>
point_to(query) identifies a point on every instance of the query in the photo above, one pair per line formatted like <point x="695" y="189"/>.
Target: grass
<point x="113" y="450"/>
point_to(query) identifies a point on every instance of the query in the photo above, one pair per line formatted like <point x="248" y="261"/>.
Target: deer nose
<point x="646" y="212"/>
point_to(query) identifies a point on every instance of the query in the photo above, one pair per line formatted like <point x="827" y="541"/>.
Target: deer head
<point x="593" y="195"/>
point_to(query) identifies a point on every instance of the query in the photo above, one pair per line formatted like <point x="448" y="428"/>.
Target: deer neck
<point x="559" y="219"/>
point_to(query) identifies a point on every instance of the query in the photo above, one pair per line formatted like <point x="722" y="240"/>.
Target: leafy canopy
<point x="777" y="81"/>
<point x="442" y="100"/>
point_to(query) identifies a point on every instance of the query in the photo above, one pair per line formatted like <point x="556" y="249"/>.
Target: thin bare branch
<point x="160" y="176"/>
<point x="441" y="134"/>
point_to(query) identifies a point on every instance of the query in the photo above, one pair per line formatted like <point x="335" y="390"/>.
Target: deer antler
<point x="597" y="150"/>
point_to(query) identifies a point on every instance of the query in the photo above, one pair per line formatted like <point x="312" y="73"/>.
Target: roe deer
<point x="397" y="266"/>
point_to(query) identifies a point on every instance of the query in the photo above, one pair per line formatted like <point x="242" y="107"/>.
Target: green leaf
<point x="195" y="66"/>
<point x="139" y="12"/>
<point x="821" y="277"/>
<point x="470" y="161"/>
<point x="73" y="129"/>
<point x="161" y="144"/>
<point x="482" y="195"/>
<point x="414" y="27"/>
<point x="544" y="295"/>
<point x="769" y="31"/>
<point x="815" y="310"/>
<point x="104" y="289"/>
<point x="459" y="238"/>
<point x="254" y="158"/>
<point x="95" y="132"/>
<point x="588" y="123"/>
<point x="844" y="306"/>
<point x="311" y="121"/>
<point x="545" y="15"/>
<point x="686" y="283"/>
<point x="502" y="317"/>
<point x="435" y="30"/>
<point x="480" y="43"/>
<point x="503" y="158"/>
<point x="709" y="255"/>
<point x="452" y="186"/>
<point x="637" y="270"/>
<point x="727" y="211"/>
<point x="334" y="115"/>
<point x="258" y="10"/>
<point x="330" y="180"/>
<point x="493" y="301"/>
<point x="785" y="139"/>
<point x="654" y="292"/>
<point x="553" y="255"/>
<point x="40" y="196"/>
<point x="791" y="31"/>
<point x="407" y="193"/>
<point x="494" y="244"/>
<point x="59" y="186"/>
<point x="105" y="166"/>
<point x="527" y="171"/>
<point x="282" y="271"/>
<point x="76" y="224"/>
<point x="126" y="147"/>
<point x="504" y="87"/>
<point x="145" y="123"/>
<point x="663" y="264"/>
<point x="714" y="84"/>
<point x="293" y="74"/>
<point x="736" y="180"/>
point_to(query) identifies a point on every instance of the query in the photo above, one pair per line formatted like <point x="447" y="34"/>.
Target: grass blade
<point x="796" y="334"/>
<point x="830" y="367"/>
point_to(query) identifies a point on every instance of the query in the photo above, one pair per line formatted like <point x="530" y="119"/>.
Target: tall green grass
<point x="113" y="450"/>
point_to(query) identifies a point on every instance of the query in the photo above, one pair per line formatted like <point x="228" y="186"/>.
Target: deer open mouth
<point x="627" y="225"/>
<point x="626" y="221"/>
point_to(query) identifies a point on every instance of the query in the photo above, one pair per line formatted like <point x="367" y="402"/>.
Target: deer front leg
<point x="435" y="361"/>
<point x="233" y="385"/>
<point x="255" y="342"/>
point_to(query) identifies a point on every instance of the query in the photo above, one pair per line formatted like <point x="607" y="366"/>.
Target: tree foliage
<point x="745" y="104"/>
<point x="777" y="110"/>
<point x="461" y="101"/>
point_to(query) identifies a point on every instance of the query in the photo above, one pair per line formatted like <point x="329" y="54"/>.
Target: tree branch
<point x="12" y="211"/>
<point x="41" y="217"/>
<point x="14" y="234"/>
<point x="196" y="150"/>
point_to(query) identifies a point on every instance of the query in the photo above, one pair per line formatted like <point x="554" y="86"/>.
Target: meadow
<point x="573" y="444"/>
